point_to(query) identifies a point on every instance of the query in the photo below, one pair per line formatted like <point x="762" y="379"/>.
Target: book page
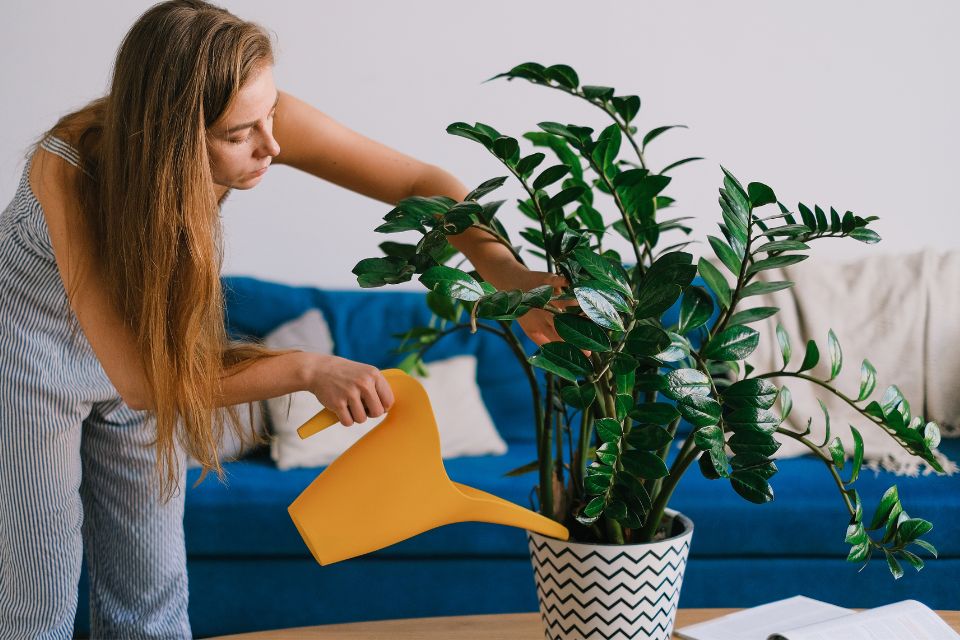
<point x="905" y="620"/>
<point x="758" y="623"/>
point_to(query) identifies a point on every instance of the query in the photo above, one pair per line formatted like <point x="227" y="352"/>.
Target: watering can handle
<point x="327" y="418"/>
<point x="318" y="423"/>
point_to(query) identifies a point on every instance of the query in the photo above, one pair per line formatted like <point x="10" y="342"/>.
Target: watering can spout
<point x="391" y="485"/>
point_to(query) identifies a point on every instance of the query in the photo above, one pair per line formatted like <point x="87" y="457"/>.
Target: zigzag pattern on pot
<point x="575" y="613"/>
<point x="559" y="632"/>
<point x="586" y="593"/>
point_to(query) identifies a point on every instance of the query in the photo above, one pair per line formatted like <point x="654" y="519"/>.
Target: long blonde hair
<point x="149" y="198"/>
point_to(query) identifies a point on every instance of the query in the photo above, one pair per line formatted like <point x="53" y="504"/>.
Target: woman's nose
<point x="270" y="147"/>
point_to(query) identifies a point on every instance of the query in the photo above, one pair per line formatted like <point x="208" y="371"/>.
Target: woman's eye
<point x="240" y="141"/>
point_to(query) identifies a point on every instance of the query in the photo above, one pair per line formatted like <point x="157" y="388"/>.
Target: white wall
<point x="853" y="104"/>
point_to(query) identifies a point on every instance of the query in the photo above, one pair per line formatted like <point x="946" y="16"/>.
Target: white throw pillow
<point x="465" y="426"/>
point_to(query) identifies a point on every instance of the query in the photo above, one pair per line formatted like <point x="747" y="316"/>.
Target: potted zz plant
<point x="609" y="398"/>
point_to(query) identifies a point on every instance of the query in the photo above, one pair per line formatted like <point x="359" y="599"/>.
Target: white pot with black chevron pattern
<point x="610" y="591"/>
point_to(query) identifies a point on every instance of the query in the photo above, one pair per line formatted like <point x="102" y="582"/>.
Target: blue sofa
<point x="250" y="570"/>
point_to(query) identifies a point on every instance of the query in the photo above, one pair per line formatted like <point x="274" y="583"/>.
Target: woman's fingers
<point x="372" y="403"/>
<point x="356" y="410"/>
<point x="384" y="392"/>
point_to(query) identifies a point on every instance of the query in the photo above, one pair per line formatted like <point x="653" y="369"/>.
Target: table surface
<point x="504" y="626"/>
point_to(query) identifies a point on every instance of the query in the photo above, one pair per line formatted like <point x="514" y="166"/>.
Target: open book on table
<point x="802" y="618"/>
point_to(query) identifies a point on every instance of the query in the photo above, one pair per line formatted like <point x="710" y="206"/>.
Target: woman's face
<point x="241" y="145"/>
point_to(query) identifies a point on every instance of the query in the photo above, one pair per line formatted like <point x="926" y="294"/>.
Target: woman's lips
<point x="260" y="172"/>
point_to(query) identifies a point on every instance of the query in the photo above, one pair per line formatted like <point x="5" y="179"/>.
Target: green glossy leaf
<point x="754" y="442"/>
<point x="699" y="410"/>
<point x="837" y="453"/>
<point x="913" y="560"/>
<point x="654" y="413"/>
<point x="486" y="187"/>
<point x="598" y="308"/>
<point x="561" y="359"/>
<point x="760" y="288"/>
<point x="443" y="306"/>
<point x="775" y="262"/>
<point x="525" y="469"/>
<point x="752" y="315"/>
<point x="678" y="163"/>
<point x="811" y="357"/>
<point x="594" y="508"/>
<point x="696" y="307"/>
<point x="753" y="419"/>
<point x="579" y="397"/>
<point x="733" y="343"/>
<point x="716" y="282"/>
<point x="646" y="340"/>
<point x="707" y="438"/>
<point x="464" y="130"/>
<point x="626" y="106"/>
<point x="868" y="380"/>
<point x="752" y="392"/>
<point x="550" y="175"/>
<point x="888" y="501"/>
<point x="727" y="256"/>
<point x="602" y="269"/>
<point x="655" y="133"/>
<point x="760" y="194"/>
<point x="643" y="464"/>
<point x="376" y="272"/>
<point x="836" y="355"/>
<point x="926" y="546"/>
<point x="608" y="429"/>
<point x="507" y="149"/>
<point x="869" y="236"/>
<point x="913" y="528"/>
<point x="648" y="437"/>
<point x="786" y="349"/>
<point x="786" y="402"/>
<point x="782" y="245"/>
<point x="752" y="486"/>
<point x="452" y="282"/>
<point x="581" y="333"/>
<point x="527" y="164"/>
<point x="563" y="75"/>
<point x="683" y="382"/>
<point x="500" y="305"/>
<point x="893" y="564"/>
<point x="593" y="92"/>
<point x="857" y="454"/>
<point x="859" y="552"/>
<point x="931" y="435"/>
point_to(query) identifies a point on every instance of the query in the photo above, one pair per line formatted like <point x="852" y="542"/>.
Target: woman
<point x="115" y="360"/>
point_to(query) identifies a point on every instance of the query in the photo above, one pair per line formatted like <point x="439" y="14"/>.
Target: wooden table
<point x="504" y="626"/>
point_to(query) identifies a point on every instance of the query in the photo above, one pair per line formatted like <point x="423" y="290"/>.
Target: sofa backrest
<point x="363" y="324"/>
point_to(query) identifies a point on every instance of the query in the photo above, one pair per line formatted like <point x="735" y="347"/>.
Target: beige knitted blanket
<point x="902" y="313"/>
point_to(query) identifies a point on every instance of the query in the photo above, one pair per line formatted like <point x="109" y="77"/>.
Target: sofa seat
<point x="248" y="515"/>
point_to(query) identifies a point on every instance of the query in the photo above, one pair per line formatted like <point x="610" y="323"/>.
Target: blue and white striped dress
<point x="76" y="472"/>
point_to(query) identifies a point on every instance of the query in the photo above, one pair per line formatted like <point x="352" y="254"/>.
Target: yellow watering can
<point x="391" y="485"/>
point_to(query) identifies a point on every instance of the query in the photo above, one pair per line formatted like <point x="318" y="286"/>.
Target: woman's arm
<point x="314" y="142"/>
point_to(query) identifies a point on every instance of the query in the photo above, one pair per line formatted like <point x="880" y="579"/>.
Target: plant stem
<point x="842" y="396"/>
<point x="664" y="452"/>
<point x="827" y="460"/>
<point x="546" y="475"/>
<point x="586" y="432"/>
<point x="741" y="281"/>
<point x="687" y="455"/>
<point x="546" y="455"/>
